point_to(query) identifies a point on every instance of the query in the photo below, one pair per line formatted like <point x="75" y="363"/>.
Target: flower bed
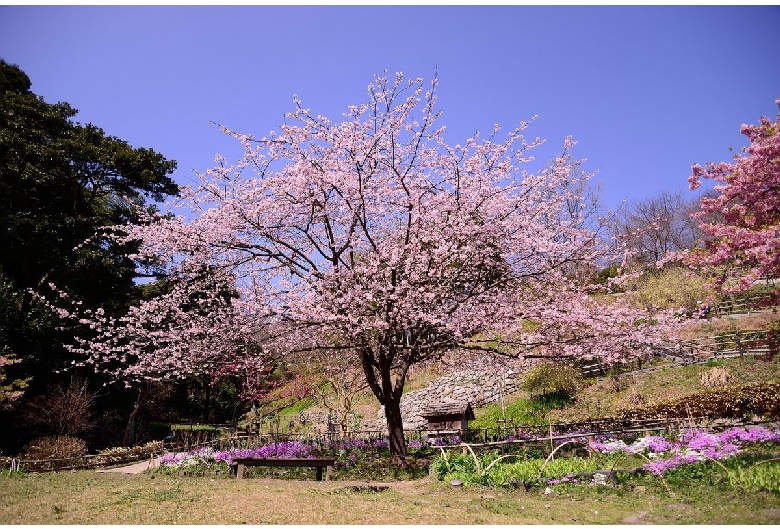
<point x="692" y="446"/>
<point x="650" y="454"/>
<point x="354" y="459"/>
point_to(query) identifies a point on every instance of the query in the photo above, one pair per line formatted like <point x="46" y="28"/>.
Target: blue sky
<point x="646" y="91"/>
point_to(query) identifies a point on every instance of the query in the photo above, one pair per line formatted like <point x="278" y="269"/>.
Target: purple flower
<point x="658" y="444"/>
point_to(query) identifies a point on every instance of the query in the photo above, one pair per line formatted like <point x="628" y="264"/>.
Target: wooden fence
<point x="502" y="436"/>
<point x="733" y="344"/>
<point x="758" y="303"/>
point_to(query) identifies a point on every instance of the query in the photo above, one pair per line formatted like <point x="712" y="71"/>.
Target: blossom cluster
<point x="742" y="222"/>
<point x="569" y="477"/>
<point x="446" y="440"/>
<point x="347" y="451"/>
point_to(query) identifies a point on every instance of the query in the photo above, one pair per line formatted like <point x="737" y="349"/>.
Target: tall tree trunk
<point x="130" y="430"/>
<point x="207" y="401"/>
<point x="388" y="391"/>
<point x="395" y="428"/>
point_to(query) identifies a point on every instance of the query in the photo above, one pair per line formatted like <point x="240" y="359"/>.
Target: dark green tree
<point x="61" y="184"/>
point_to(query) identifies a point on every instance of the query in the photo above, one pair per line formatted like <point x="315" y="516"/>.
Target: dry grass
<point x="91" y="498"/>
<point x="600" y="398"/>
<point x="729" y="324"/>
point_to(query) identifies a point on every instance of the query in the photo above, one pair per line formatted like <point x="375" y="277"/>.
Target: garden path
<point x="138" y="467"/>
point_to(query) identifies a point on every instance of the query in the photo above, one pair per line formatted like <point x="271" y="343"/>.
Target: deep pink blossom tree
<point x="746" y="231"/>
<point x="373" y="238"/>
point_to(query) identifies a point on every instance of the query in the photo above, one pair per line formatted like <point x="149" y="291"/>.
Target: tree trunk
<point x="207" y="401"/>
<point x="388" y="392"/>
<point x="130" y="430"/>
<point x="395" y="429"/>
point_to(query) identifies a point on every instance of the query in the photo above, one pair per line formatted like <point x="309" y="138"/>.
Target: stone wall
<point x="477" y="387"/>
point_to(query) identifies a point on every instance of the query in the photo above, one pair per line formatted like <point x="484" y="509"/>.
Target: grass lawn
<point x="87" y="497"/>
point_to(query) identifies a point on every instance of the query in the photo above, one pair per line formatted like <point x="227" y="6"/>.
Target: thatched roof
<point x="448" y="409"/>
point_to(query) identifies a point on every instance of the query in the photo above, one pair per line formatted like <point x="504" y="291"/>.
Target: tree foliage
<point x="654" y="227"/>
<point x="377" y="240"/>
<point x="61" y="183"/>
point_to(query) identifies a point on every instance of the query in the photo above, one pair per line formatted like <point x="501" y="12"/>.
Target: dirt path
<point x="138" y="467"/>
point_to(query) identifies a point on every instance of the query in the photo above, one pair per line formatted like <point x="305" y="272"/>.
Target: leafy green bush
<point x="495" y="470"/>
<point x="449" y="463"/>
<point x="762" y="476"/>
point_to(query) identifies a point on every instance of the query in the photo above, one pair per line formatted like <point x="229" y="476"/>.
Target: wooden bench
<point x="239" y="464"/>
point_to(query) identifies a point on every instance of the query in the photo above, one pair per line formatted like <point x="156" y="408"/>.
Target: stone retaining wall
<point x="477" y="387"/>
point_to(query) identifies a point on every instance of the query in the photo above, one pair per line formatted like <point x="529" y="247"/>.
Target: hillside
<point x="605" y="395"/>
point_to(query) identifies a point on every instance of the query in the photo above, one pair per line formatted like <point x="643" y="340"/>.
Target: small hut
<point x="448" y="418"/>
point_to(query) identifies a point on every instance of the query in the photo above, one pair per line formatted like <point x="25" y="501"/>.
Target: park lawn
<point x="87" y="497"/>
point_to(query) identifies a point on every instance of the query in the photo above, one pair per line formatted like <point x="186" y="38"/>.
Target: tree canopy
<point x="376" y="240"/>
<point x="745" y="238"/>
<point x="61" y="183"/>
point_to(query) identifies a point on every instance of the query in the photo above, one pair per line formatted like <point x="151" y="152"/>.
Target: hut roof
<point x="448" y="409"/>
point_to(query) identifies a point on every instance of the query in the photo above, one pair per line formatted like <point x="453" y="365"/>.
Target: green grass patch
<point x="524" y="411"/>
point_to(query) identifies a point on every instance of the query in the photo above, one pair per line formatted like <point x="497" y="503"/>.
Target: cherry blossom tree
<point x="377" y="241"/>
<point x="746" y="235"/>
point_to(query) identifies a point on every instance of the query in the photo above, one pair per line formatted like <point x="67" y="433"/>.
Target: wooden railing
<point x="754" y="342"/>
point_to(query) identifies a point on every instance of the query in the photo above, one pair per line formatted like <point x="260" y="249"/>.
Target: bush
<point x="520" y="412"/>
<point x="551" y="378"/>
<point x="670" y="288"/>
<point x="55" y="447"/>
<point x="63" y="410"/>
<point x="716" y="376"/>
<point x="762" y="399"/>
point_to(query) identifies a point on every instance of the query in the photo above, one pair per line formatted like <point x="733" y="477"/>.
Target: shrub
<point x="551" y="378"/>
<point x="64" y="410"/>
<point x="717" y="376"/>
<point x="730" y="402"/>
<point x="636" y="397"/>
<point x="55" y="447"/>
<point x="762" y="476"/>
<point x="670" y="288"/>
